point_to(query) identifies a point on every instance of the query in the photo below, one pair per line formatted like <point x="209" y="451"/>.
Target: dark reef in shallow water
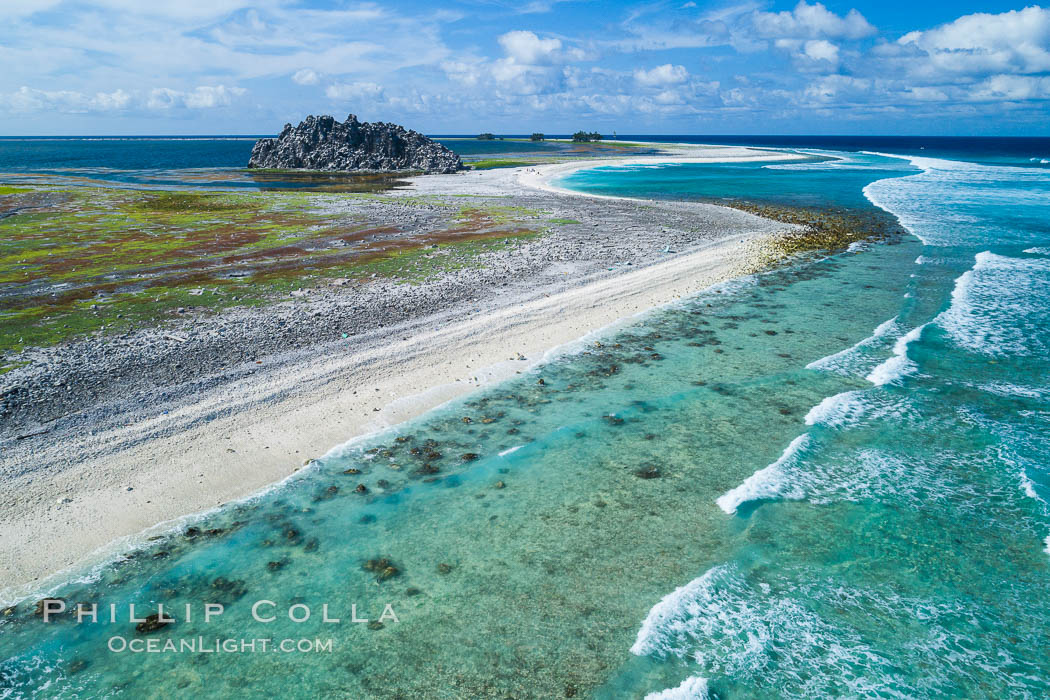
<point x="322" y="143"/>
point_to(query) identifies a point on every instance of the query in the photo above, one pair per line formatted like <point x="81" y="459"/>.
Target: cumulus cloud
<point x="354" y="91"/>
<point x="530" y="65"/>
<point x="201" y="97"/>
<point x="1013" y="88"/>
<point x="666" y="74"/>
<point x="464" y="72"/>
<point x="821" y="50"/>
<point x="811" y="21"/>
<point x="838" y="87"/>
<point x="1011" y="42"/>
<point x="29" y="100"/>
<point x="83" y="57"/>
<point x="305" y="76"/>
<point x="528" y="49"/>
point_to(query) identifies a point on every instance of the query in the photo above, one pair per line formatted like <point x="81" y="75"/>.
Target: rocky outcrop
<point x="322" y="143"/>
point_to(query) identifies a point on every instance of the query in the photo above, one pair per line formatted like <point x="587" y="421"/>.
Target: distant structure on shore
<point x="322" y="143"/>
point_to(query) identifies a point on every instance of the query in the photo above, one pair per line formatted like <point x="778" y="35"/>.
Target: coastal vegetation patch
<point x="80" y="260"/>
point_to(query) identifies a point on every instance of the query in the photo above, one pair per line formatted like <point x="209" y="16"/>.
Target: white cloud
<point x="812" y="21"/>
<point x="354" y="91"/>
<point x="207" y="96"/>
<point x="29" y="100"/>
<point x="821" y="50"/>
<point x="832" y="88"/>
<point x="305" y="76"/>
<point x="1011" y="42"/>
<point x="666" y="74"/>
<point x="82" y="56"/>
<point x="118" y="99"/>
<point x="527" y="48"/>
<point x="464" y="72"/>
<point x="1013" y="87"/>
<point x="24" y="8"/>
<point x="201" y="97"/>
<point x="530" y="66"/>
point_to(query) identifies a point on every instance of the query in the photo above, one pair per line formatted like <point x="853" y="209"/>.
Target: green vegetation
<point x="584" y="137"/>
<point x="109" y="260"/>
<point x="490" y="163"/>
<point x="498" y="215"/>
<point x="486" y="137"/>
<point x="416" y="266"/>
<point x="537" y="136"/>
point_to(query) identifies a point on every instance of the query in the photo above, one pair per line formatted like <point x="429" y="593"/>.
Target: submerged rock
<point x="648" y="471"/>
<point x="152" y="623"/>
<point x="382" y="567"/>
<point x="322" y="143"/>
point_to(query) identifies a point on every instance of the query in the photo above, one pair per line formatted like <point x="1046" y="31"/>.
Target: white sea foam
<point x="694" y="688"/>
<point x="837" y="410"/>
<point x="845" y="362"/>
<point x="671" y="613"/>
<point x="898" y="366"/>
<point x="742" y="630"/>
<point x="768" y="482"/>
<point x="1038" y="251"/>
<point x="991" y="311"/>
<point x="1028" y="486"/>
<point x="839" y="161"/>
<point x="1008" y="389"/>
<point x="510" y="450"/>
<point x="948" y="202"/>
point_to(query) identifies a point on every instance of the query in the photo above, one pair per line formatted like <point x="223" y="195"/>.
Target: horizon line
<point x="527" y="135"/>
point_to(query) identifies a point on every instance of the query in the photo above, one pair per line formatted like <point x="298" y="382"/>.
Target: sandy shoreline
<point x="541" y="177"/>
<point x="240" y="435"/>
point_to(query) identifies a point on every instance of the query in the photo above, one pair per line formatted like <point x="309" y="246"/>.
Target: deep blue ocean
<point x="827" y="480"/>
<point x="185" y="161"/>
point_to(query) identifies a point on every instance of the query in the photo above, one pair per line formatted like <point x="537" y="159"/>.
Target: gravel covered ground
<point x="70" y="389"/>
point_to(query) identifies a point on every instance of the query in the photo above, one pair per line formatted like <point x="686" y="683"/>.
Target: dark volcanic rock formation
<point x="322" y="143"/>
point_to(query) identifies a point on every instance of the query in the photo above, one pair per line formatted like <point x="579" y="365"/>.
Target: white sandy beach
<point x="255" y="431"/>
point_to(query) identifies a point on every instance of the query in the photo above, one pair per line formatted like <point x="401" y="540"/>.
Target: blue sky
<point x="516" y="66"/>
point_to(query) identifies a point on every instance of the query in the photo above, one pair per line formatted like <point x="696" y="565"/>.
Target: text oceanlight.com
<point x="201" y="645"/>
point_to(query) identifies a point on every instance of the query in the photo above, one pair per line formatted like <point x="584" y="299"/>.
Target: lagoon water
<point x="211" y="162"/>
<point x="827" y="480"/>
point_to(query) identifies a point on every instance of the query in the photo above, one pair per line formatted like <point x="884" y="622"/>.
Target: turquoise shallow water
<point x="828" y="480"/>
